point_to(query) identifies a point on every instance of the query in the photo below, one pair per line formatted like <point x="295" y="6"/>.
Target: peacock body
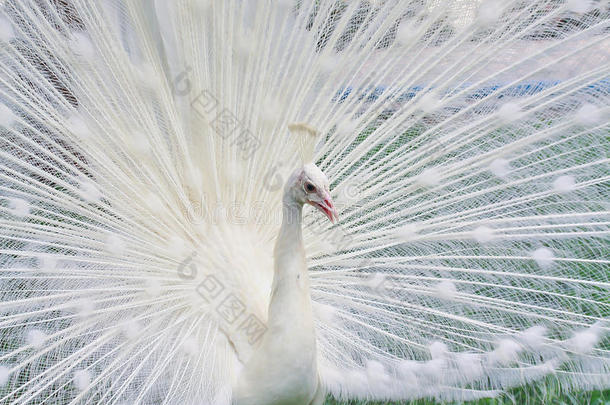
<point x="144" y="151"/>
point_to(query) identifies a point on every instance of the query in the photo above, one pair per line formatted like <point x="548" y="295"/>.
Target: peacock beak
<point x="328" y="208"/>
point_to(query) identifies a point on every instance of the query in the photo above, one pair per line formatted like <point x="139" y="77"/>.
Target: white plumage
<point x="144" y="149"/>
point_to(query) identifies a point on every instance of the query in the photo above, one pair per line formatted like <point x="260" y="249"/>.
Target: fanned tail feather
<point x="143" y="149"/>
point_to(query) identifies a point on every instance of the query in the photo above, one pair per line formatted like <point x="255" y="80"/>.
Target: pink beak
<point x="327" y="207"/>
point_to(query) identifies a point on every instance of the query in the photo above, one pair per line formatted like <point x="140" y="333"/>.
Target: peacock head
<point x="309" y="185"/>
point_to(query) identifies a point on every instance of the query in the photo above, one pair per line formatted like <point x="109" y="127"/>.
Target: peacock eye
<point x="310" y="188"/>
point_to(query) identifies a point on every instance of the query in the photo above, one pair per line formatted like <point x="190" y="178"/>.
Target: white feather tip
<point x="4" y="375"/>
<point x="307" y="138"/>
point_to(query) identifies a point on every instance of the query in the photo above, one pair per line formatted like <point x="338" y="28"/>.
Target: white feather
<point x="483" y="234"/>
<point x="506" y="352"/>
<point x="583" y="342"/>
<point x="6" y="30"/>
<point x="489" y="12"/>
<point x="589" y="114"/>
<point x="446" y="290"/>
<point x="82" y="46"/>
<point x="430" y="177"/>
<point x="509" y="112"/>
<point x="7" y="117"/>
<point x="579" y="6"/>
<point x="500" y="167"/>
<point x="19" y="207"/>
<point x="438" y="350"/>
<point x="564" y="184"/>
<point x="465" y="143"/>
<point x="4" y="375"/>
<point x="82" y="379"/>
<point x="36" y="338"/>
<point x="543" y="257"/>
<point x="534" y="337"/>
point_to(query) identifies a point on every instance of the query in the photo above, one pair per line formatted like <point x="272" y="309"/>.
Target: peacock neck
<point x="284" y="368"/>
<point x="290" y="297"/>
<point x="290" y="235"/>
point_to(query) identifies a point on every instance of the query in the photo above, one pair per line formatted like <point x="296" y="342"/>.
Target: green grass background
<point x="545" y="393"/>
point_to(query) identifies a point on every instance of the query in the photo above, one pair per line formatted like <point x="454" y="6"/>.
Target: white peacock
<point x="148" y="164"/>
